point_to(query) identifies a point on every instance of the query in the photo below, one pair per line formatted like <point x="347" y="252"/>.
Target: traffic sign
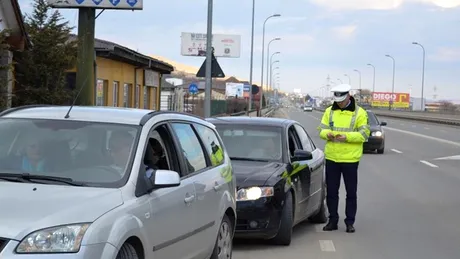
<point x="193" y="88"/>
<point x="216" y="70"/>
<point x="97" y="2"/>
<point x="255" y="89"/>
<point x="80" y="1"/>
<point x="114" y="2"/>
<point x="131" y="2"/>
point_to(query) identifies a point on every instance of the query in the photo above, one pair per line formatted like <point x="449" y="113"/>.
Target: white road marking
<point x="428" y="163"/>
<point x="327" y="245"/>
<point x="396" y="151"/>
<point x="425" y="136"/>
<point x="426" y="128"/>
<point x="448" y="158"/>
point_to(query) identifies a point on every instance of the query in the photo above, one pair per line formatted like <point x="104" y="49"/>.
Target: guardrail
<point x="446" y="119"/>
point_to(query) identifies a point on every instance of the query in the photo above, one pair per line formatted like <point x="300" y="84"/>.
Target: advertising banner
<point x="234" y="90"/>
<point x="194" y="44"/>
<point x="383" y="99"/>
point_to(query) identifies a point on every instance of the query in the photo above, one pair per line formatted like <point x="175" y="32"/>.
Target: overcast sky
<point x="319" y="38"/>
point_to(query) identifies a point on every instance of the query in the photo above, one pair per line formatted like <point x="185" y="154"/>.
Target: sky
<point x="319" y="38"/>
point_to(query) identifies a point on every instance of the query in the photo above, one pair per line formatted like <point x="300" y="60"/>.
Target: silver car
<point x="112" y="183"/>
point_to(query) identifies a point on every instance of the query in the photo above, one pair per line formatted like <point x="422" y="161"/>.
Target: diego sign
<point x="383" y="99"/>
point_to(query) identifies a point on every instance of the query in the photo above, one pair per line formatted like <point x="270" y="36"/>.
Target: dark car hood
<point x="374" y="128"/>
<point x="250" y="173"/>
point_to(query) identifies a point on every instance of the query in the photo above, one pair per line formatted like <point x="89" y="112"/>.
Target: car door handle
<point x="189" y="199"/>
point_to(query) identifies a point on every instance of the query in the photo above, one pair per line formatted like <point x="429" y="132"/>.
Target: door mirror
<point x="163" y="179"/>
<point x="383" y="123"/>
<point x="301" y="155"/>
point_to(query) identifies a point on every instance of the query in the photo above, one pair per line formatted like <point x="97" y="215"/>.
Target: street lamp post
<point x="208" y="72"/>
<point x="252" y="58"/>
<point x="268" y="53"/>
<point x="340" y="80"/>
<point x="271" y="57"/>
<point x="393" y="84"/>
<point x="422" y="101"/>
<point x="373" y="78"/>
<point x="263" y="48"/>
<point x="360" y="89"/>
<point x="349" y="79"/>
<point x="269" y="82"/>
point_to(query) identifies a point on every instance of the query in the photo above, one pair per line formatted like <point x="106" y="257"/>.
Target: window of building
<point x="137" y="94"/>
<point x="115" y="93"/>
<point x="101" y="92"/>
<point x="153" y="91"/>
<point x="127" y="95"/>
<point x="146" y="98"/>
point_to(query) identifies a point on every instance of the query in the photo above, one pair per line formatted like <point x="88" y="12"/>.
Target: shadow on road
<point x="255" y="244"/>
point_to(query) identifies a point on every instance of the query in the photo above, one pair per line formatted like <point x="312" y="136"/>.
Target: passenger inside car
<point x="120" y="147"/>
<point x="33" y="160"/>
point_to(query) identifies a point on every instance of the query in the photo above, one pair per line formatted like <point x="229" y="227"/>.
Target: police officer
<point x="345" y="128"/>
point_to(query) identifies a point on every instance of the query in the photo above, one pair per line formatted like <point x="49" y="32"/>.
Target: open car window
<point x="97" y="154"/>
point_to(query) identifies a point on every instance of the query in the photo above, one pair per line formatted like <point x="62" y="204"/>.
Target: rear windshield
<point x="93" y="153"/>
<point x="251" y="142"/>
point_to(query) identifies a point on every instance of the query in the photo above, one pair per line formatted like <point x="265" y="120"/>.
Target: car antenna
<point x="75" y="99"/>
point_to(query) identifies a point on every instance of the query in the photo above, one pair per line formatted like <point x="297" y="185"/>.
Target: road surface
<point x="408" y="202"/>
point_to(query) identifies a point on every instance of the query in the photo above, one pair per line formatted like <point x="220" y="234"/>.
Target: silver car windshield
<point x="252" y="142"/>
<point x="96" y="154"/>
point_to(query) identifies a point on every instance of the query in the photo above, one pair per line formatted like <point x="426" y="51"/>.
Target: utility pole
<point x="85" y="55"/>
<point x="252" y="62"/>
<point x="208" y="73"/>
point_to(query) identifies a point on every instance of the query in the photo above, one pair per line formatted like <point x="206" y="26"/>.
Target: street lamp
<point x="349" y="79"/>
<point x="263" y="48"/>
<point x="271" y="73"/>
<point x="373" y="80"/>
<point x="393" y="85"/>
<point x="271" y="57"/>
<point x="360" y="95"/>
<point x="423" y="73"/>
<point x="268" y="53"/>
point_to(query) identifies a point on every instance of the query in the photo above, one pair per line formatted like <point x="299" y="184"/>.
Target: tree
<point x="4" y="81"/>
<point x="41" y="69"/>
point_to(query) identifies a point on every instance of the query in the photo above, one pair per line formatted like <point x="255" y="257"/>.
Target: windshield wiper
<point x="248" y="159"/>
<point x="31" y="177"/>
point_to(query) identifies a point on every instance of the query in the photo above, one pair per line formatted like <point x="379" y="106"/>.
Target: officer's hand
<point x="330" y="136"/>
<point x="341" y="138"/>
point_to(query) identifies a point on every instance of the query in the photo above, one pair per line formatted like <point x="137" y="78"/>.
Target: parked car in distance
<point x="376" y="141"/>
<point x="308" y="108"/>
<point x="113" y="183"/>
<point x="279" y="173"/>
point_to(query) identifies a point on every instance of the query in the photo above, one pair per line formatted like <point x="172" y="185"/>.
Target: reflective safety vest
<point x="217" y="157"/>
<point x="354" y="125"/>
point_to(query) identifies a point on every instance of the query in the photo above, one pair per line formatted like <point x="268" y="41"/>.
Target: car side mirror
<point x="159" y="179"/>
<point x="383" y="123"/>
<point x="301" y="155"/>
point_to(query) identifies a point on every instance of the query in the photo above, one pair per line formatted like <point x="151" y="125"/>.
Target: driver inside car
<point x="120" y="146"/>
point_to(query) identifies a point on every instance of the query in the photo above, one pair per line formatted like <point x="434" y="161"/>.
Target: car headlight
<point x="376" y="134"/>
<point x="254" y="193"/>
<point x="60" y="239"/>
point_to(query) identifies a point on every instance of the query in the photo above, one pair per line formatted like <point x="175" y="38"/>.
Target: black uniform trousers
<point x="334" y="171"/>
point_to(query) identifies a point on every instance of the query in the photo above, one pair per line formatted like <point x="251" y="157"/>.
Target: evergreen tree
<point x="41" y="69"/>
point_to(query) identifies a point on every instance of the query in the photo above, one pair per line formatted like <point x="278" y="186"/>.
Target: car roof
<point x="102" y="114"/>
<point x="253" y="121"/>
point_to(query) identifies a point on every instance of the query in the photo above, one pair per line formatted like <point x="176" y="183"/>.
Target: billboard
<point x="234" y="90"/>
<point x="194" y="44"/>
<point x="382" y="99"/>
<point x="99" y="4"/>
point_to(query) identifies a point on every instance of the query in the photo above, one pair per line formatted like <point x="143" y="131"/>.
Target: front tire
<point x="224" y="242"/>
<point x="381" y="151"/>
<point x="127" y="251"/>
<point x="284" y="235"/>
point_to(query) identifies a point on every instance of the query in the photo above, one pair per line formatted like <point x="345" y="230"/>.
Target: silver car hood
<point x="25" y="208"/>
